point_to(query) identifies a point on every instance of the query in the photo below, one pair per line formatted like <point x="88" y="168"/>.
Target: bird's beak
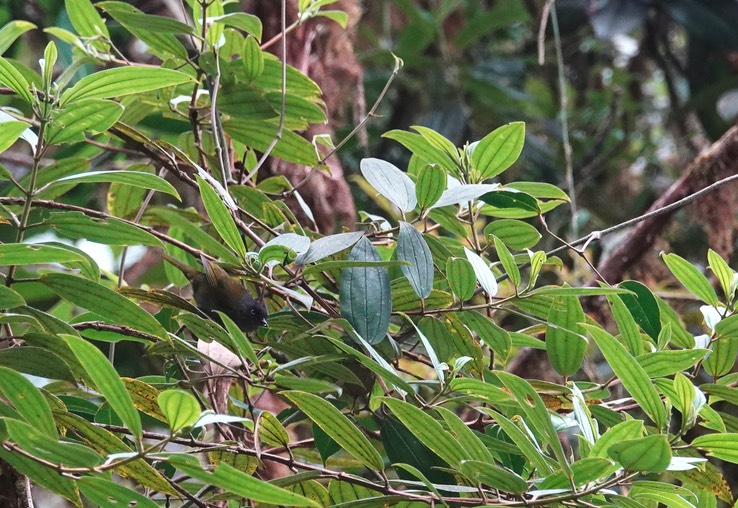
<point x="264" y="322"/>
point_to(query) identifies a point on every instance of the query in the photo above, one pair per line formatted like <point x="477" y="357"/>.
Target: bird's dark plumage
<point x="215" y="290"/>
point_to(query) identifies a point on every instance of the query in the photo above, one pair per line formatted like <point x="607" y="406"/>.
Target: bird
<point x="215" y="290"/>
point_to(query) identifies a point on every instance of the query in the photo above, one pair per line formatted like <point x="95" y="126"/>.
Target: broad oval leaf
<point x="516" y="234"/>
<point x="412" y="248"/>
<point x="365" y="295"/>
<point x="71" y="123"/>
<point x="650" y="454"/>
<point x="462" y="194"/>
<point x="503" y="199"/>
<point x="107" y="381"/>
<point x="106" y="493"/>
<point x="123" y="81"/>
<point x="628" y="430"/>
<point x="9" y="299"/>
<point x="430" y="185"/>
<point x="482" y="271"/>
<point x="180" y="407"/>
<point x="338" y="427"/>
<point x="270" y="430"/>
<point x="103" y="301"/>
<point x="327" y="246"/>
<point x="498" y="150"/>
<point x="390" y="182"/>
<point x="723" y="446"/>
<point x="643" y="306"/>
<point x="565" y="342"/>
<point x="461" y="278"/>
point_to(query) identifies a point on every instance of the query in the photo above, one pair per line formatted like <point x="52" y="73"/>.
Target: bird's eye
<point x="253" y="312"/>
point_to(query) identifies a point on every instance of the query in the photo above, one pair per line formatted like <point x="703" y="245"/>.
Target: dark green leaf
<point x="461" y="278"/>
<point x="365" y="295"/>
<point x="411" y="248"/>
<point x="109" y="494"/>
<point x="71" y="123"/>
<point x="643" y="307"/>
<point x="221" y="217"/>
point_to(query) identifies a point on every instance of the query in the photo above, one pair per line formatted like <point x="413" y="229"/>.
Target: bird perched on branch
<point x="215" y="290"/>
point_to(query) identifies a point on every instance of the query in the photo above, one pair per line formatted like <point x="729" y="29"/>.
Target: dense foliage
<point x="380" y="378"/>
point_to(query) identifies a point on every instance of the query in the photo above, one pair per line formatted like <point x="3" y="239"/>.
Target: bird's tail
<point x="186" y="269"/>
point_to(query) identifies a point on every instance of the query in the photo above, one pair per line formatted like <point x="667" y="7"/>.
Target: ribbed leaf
<point x="691" y="278"/>
<point x="103" y="301"/>
<point x="132" y="178"/>
<point x="493" y="476"/>
<point x="430" y="185"/>
<point x="10" y="131"/>
<point x="390" y="182"/>
<point x="516" y="234"/>
<point x="31" y="254"/>
<point x="109" y="231"/>
<point x="122" y="81"/>
<point x="107" y="382"/>
<point x="632" y="375"/>
<point x="650" y="454"/>
<point x="564" y="335"/>
<point x="27" y="400"/>
<point x="461" y="278"/>
<point x="411" y="247"/>
<point x="93" y="115"/>
<point x="105" y="493"/>
<point x="482" y="271"/>
<point x="180" y="407"/>
<point x="221" y="217"/>
<point x="498" y="150"/>
<point x="338" y="427"/>
<point x="365" y="295"/>
<point x="10" y="77"/>
<point x="270" y="430"/>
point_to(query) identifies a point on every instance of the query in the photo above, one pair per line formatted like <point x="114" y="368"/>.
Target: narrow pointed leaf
<point x="499" y="150"/>
<point x="27" y="400"/>
<point x="565" y="340"/>
<point x="412" y="248"/>
<point x="691" y="278"/>
<point x="107" y="381"/>
<point x="221" y="217"/>
<point x="338" y="427"/>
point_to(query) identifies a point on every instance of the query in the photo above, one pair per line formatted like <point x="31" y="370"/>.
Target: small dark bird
<point x="215" y="290"/>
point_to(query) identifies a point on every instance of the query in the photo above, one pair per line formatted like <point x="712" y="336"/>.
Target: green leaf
<point x="539" y="190"/>
<point x="721" y="359"/>
<point x="629" y="331"/>
<point x="524" y="441"/>
<point x="411" y="248"/>
<point x="516" y="234"/>
<point x="503" y="199"/>
<point x="37" y="362"/>
<point x="423" y="149"/>
<point x="108" y="443"/>
<point x="493" y="476"/>
<point x="487" y="391"/>
<point x="103" y="301"/>
<point x="666" y="363"/>
<point x="587" y="470"/>
<point x="498" y="150"/>
<point x="35" y="253"/>
<point x="11" y="31"/>
<point x="241" y="484"/>
<point x="132" y="178"/>
<point x="428" y="430"/>
<point x="463" y="194"/>
<point x="107" y="381"/>
<point x="151" y="22"/>
<point x="723" y="446"/>
<point x="259" y="134"/>
<point x="628" y="430"/>
<point x="9" y="299"/>
<point x="252" y="58"/>
<point x="10" y="77"/>
<point x="122" y="81"/>
<point x="71" y="123"/>
<point x="243" y="21"/>
<point x="691" y="278"/>
<point x="630" y="373"/>
<point x="565" y="340"/>
<point x="221" y="217"/>
<point x="270" y="430"/>
<point x="49" y="448"/>
<point x="536" y="414"/>
<point x="390" y="182"/>
<point x="85" y="18"/>
<point x="643" y="306"/>
<point x="27" y="400"/>
<point x="10" y="131"/>
<point x="107" y="494"/>
<point x="461" y="278"/>
<point x="493" y="336"/>
<point x="327" y="246"/>
<point x="338" y="427"/>
<point x="339" y="17"/>
<point x="430" y="185"/>
<point x="109" y="231"/>
<point x="365" y="295"/>
<point x="650" y="454"/>
<point x="180" y="407"/>
<point x="724" y="273"/>
<point x="508" y="261"/>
